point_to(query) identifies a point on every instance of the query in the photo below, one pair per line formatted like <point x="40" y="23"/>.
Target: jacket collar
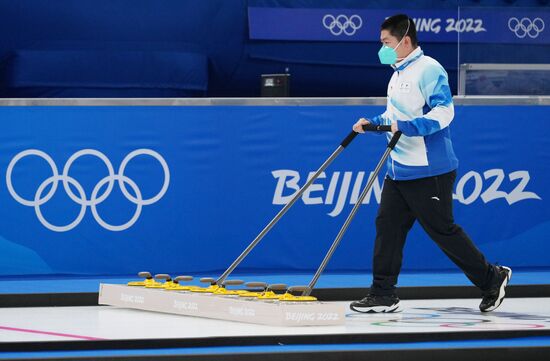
<point x="411" y="58"/>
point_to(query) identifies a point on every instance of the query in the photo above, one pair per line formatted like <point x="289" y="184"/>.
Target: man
<point x="421" y="173"/>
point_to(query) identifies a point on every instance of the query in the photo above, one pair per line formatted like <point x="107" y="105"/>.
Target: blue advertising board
<point x="115" y="190"/>
<point x="468" y="25"/>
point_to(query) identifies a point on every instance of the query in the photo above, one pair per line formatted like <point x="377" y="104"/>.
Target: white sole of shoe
<point x="502" y="291"/>
<point x="378" y="309"/>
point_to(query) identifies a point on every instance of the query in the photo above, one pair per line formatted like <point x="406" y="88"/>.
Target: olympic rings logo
<point x="95" y="198"/>
<point x="342" y="24"/>
<point x="526" y="27"/>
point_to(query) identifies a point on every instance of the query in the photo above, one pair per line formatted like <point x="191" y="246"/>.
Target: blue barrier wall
<point x="200" y="182"/>
<point x="173" y="48"/>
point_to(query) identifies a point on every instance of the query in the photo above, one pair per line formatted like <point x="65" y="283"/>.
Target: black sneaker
<point x="493" y="297"/>
<point x="376" y="304"/>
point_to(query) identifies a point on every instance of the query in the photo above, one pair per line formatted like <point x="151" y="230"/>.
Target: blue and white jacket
<point x="420" y="101"/>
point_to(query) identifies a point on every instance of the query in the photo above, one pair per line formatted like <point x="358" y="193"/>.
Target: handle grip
<point x="146" y="275"/>
<point x="163" y="276"/>
<point x="232" y="282"/>
<point x="376" y="128"/>
<point x="394" y="139"/>
<point x="277" y="287"/>
<point x="367" y="128"/>
<point x="262" y="285"/>
<point x="298" y="289"/>
<point x="212" y="281"/>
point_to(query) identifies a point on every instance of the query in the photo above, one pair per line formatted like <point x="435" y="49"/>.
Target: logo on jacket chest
<point x="400" y="87"/>
<point x="404" y="87"/>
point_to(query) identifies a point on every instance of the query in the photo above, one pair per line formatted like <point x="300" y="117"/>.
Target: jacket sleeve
<point x="381" y="119"/>
<point x="434" y="85"/>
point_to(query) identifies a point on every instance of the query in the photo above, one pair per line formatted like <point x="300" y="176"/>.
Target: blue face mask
<point x="388" y="55"/>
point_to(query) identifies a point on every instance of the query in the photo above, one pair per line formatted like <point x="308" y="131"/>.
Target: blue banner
<point x="114" y="190"/>
<point x="468" y="25"/>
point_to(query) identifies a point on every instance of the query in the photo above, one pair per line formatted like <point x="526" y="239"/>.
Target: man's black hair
<point x="397" y="26"/>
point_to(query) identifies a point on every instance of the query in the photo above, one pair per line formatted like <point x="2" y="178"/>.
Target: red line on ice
<point x="50" y="333"/>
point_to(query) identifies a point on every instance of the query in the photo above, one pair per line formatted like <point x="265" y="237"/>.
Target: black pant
<point x="428" y="200"/>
